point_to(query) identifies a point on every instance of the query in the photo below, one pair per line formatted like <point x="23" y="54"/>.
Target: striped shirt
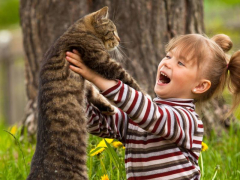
<point x="162" y="137"/>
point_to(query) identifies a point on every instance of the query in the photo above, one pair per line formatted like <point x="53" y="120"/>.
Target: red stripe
<point x="197" y="142"/>
<point x="200" y="125"/>
<point x="87" y="107"/>
<point x="120" y="94"/>
<point x="152" y="158"/>
<point x="133" y="103"/>
<point x="175" y="103"/>
<point x="190" y="129"/>
<point x="93" y="116"/>
<point x="133" y="141"/>
<point x="190" y="109"/>
<point x="194" y="155"/>
<point x="180" y="136"/>
<point x="132" y="122"/>
<point x="159" y="120"/>
<point x="116" y="122"/>
<point x="163" y="174"/>
<point x="111" y="89"/>
<point x="147" y="112"/>
<point x="169" y="123"/>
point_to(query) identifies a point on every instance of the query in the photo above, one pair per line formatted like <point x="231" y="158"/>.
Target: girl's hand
<point x="77" y="65"/>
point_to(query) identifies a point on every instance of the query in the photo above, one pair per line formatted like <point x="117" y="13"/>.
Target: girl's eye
<point x="180" y="63"/>
<point x="168" y="57"/>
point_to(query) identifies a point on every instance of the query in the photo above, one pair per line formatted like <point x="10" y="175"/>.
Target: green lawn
<point x="16" y="154"/>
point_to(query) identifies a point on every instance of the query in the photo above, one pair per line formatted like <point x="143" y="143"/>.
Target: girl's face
<point x="176" y="77"/>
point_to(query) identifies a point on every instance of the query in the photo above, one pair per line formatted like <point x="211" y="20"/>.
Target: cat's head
<point x="105" y="29"/>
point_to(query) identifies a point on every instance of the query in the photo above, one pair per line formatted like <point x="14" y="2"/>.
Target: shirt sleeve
<point x="107" y="126"/>
<point x="175" y="124"/>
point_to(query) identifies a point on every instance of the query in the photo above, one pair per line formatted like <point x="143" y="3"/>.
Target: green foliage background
<point x="9" y="13"/>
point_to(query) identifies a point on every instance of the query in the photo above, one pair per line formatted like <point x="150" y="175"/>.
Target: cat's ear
<point x="102" y="14"/>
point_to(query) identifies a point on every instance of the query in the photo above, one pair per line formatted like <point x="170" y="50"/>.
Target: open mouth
<point x="164" y="78"/>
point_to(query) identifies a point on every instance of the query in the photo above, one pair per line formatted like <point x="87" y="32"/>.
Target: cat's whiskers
<point x="125" y="42"/>
<point x="121" y="54"/>
<point x="121" y="46"/>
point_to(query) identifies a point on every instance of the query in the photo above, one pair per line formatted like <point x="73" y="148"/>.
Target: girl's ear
<point x="202" y="87"/>
<point x="102" y="14"/>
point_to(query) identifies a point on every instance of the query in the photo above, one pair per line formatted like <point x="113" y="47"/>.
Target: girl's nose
<point x="167" y="64"/>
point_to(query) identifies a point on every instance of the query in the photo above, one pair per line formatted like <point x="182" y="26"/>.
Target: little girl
<point x="163" y="137"/>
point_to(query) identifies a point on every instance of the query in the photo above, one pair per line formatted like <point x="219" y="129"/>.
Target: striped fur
<point x="62" y="134"/>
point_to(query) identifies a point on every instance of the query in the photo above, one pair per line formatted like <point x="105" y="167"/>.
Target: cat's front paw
<point x="110" y="111"/>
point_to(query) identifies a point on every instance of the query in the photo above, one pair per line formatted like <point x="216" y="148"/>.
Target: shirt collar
<point x="175" y="102"/>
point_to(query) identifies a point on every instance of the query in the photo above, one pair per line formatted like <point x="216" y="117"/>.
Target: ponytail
<point x="231" y="74"/>
<point x="234" y="79"/>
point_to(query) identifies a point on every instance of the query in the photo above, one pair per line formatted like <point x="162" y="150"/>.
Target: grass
<point x="15" y="157"/>
<point x="223" y="152"/>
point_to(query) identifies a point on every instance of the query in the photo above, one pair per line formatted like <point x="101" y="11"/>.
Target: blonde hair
<point x="213" y="63"/>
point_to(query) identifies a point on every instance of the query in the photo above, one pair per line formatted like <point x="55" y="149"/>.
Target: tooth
<point x="163" y="74"/>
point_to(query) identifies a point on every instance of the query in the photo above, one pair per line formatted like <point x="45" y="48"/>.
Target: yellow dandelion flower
<point x="117" y="144"/>
<point x="103" y="144"/>
<point x="13" y="129"/>
<point x="204" y="146"/>
<point x="96" y="151"/>
<point x="105" y="177"/>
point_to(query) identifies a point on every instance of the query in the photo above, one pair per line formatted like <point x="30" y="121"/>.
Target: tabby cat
<point x="62" y="133"/>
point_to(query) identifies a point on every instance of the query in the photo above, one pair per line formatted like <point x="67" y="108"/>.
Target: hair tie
<point x="227" y="65"/>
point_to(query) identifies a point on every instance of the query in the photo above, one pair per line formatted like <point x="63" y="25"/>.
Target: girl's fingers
<point x="75" y="69"/>
<point x="73" y="55"/>
<point x="76" y="52"/>
<point x="73" y="61"/>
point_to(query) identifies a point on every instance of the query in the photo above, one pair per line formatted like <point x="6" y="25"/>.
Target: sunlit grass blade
<point x="19" y="146"/>
<point x="113" y="155"/>
<point x="215" y="173"/>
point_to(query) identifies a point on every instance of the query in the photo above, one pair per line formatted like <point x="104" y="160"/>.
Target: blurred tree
<point x="146" y="25"/>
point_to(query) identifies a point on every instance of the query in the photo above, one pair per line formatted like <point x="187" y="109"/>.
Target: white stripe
<point x="200" y="130"/>
<point x="173" y="176"/>
<point x="92" y="129"/>
<point x="157" y="153"/>
<point x="124" y="95"/>
<point x="130" y="101"/>
<point x="156" y="162"/>
<point x="177" y="167"/>
<point x="198" y="138"/>
<point x="172" y="121"/>
<point x="136" y="107"/>
<point x="150" y="115"/>
<point x="160" y="127"/>
<point x="114" y="91"/>
<point x="142" y="114"/>
<point x="186" y="132"/>
<point x="179" y="126"/>
<point x="196" y="145"/>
